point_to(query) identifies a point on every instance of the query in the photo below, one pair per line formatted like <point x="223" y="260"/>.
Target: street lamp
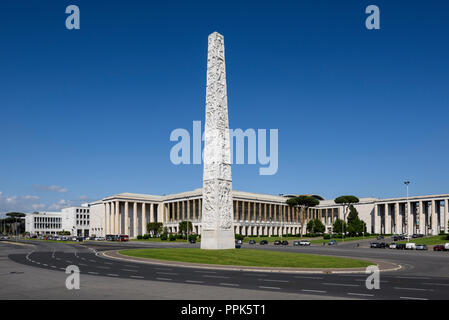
<point x="407" y="211"/>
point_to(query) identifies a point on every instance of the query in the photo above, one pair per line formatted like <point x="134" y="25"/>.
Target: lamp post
<point x="407" y="211"/>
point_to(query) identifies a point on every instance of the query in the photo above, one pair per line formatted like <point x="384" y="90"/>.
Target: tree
<point x="154" y="228"/>
<point x="304" y="202"/>
<point x="185" y="227"/>
<point x="310" y="226"/>
<point x="318" y="226"/>
<point x="16" y="216"/>
<point x="355" y="225"/>
<point x="339" y="226"/>
<point x="346" y="201"/>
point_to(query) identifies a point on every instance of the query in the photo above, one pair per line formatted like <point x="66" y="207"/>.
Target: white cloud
<point x="19" y="203"/>
<point x="51" y="188"/>
<point x="60" y="204"/>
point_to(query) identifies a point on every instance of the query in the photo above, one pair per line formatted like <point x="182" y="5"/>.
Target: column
<point x="422" y="219"/>
<point x="397" y="221"/>
<point x="194" y="210"/>
<point x="152" y="212"/>
<point x="188" y="210"/>
<point x="387" y="219"/>
<point x="135" y="229"/>
<point x="446" y="214"/>
<point x="144" y="219"/>
<point x="126" y="223"/>
<point x="377" y="227"/>
<point x="200" y="209"/>
<point x="434" y="218"/>
<point x="409" y="216"/>
<point x="106" y="217"/>
<point x="117" y="217"/>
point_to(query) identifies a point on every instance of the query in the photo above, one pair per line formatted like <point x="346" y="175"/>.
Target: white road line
<point x="219" y="277"/>
<point x="91" y="272"/>
<point x="44" y="264"/>
<point x="413" y="298"/>
<point x="316" y="291"/>
<point x="131" y="266"/>
<point x="101" y="267"/>
<point x="166" y="269"/>
<point x="273" y="280"/>
<point x="205" y="271"/>
<point x="274" y="288"/>
<point x="82" y="264"/>
<point x="61" y="268"/>
<point x="112" y="274"/>
<point x="169" y="273"/>
<point x="165" y="279"/>
<point x="304" y="277"/>
<point x="129" y="270"/>
<point x="53" y="267"/>
<point x="412" y="289"/>
<point x="361" y="294"/>
<point x="340" y="284"/>
<point x="137" y="277"/>
<point x="229" y="284"/>
<point x="68" y="261"/>
<point x="435" y="284"/>
<point x="194" y="281"/>
<point x="423" y="278"/>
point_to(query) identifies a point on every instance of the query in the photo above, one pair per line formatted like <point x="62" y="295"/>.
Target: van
<point x="410" y="246"/>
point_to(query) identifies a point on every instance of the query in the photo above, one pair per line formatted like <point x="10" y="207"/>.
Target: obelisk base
<point x="216" y="240"/>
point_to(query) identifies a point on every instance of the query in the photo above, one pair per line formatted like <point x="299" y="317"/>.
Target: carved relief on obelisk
<point x="217" y="212"/>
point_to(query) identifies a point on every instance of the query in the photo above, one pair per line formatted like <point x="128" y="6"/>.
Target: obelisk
<point x="217" y="215"/>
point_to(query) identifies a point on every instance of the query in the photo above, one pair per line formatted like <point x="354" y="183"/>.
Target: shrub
<point x="146" y="236"/>
<point x="239" y="237"/>
<point x="164" y="237"/>
<point x="139" y="237"/>
<point x="326" y="236"/>
<point x="172" y="237"/>
<point x="192" y="237"/>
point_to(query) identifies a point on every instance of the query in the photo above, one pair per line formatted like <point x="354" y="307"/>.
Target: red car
<point x="439" y="247"/>
<point x="123" y="238"/>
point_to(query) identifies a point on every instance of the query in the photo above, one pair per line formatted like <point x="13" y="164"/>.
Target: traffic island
<point x="248" y="260"/>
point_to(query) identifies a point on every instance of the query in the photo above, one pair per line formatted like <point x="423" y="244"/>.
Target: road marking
<point x="53" y="267"/>
<point x="102" y="267"/>
<point x="340" y="284"/>
<point x="317" y="291"/>
<point x="220" y="277"/>
<point x="423" y="278"/>
<point x="112" y="274"/>
<point x="205" y="271"/>
<point x="68" y="261"/>
<point x="413" y="289"/>
<point x="273" y="288"/>
<point x="82" y="264"/>
<point x="435" y="284"/>
<point x="412" y="298"/>
<point x="132" y="266"/>
<point x="137" y="277"/>
<point x="169" y="273"/>
<point x="194" y="281"/>
<point x="91" y="272"/>
<point x="108" y="263"/>
<point x="273" y="280"/>
<point x="165" y="279"/>
<point x="361" y="294"/>
<point x="255" y="275"/>
<point x="304" y="277"/>
<point x="166" y="269"/>
<point x="229" y="284"/>
<point x="129" y="270"/>
<point x="62" y="268"/>
<point x="44" y="264"/>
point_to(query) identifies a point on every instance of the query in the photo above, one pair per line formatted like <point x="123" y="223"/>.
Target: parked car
<point x="296" y="243"/>
<point x="284" y="243"/>
<point x="400" y="246"/>
<point x="239" y="241"/>
<point x="100" y="238"/>
<point x="446" y="246"/>
<point x="263" y="242"/>
<point x="110" y="237"/>
<point x="332" y="243"/>
<point x="252" y="241"/>
<point x="374" y="245"/>
<point x="192" y="240"/>
<point x="421" y="247"/>
<point x="123" y="238"/>
<point x="392" y="246"/>
<point x="410" y="246"/>
<point x="438" y="247"/>
<point x="237" y="246"/>
<point x="304" y="243"/>
<point x="277" y="242"/>
<point x="380" y="237"/>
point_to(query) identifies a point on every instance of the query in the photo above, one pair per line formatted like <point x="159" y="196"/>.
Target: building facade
<point x="267" y="215"/>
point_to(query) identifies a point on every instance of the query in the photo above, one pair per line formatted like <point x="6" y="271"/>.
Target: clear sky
<point x="88" y="113"/>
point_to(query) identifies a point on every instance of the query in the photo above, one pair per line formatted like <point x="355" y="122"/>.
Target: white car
<point x="392" y="246"/>
<point x="304" y="243"/>
<point x="100" y="238"/>
<point x="410" y="246"/>
<point x="446" y="246"/>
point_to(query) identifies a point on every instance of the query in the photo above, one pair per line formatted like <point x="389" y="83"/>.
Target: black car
<point x="252" y="242"/>
<point x="284" y="243"/>
<point x="262" y="242"/>
<point x="400" y="246"/>
<point x="277" y="242"/>
<point x="237" y="246"/>
<point x="192" y="240"/>
<point x="374" y="245"/>
<point x="382" y="245"/>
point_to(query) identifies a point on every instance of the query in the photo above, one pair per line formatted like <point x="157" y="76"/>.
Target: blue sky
<point x="88" y="113"/>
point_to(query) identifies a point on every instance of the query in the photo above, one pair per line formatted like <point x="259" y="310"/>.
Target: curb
<point x="114" y="255"/>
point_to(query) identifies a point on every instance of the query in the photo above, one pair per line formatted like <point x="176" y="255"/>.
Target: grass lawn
<point x="247" y="257"/>
<point x="430" y="241"/>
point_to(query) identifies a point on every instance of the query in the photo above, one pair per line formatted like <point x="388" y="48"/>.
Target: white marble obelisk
<point x="217" y="212"/>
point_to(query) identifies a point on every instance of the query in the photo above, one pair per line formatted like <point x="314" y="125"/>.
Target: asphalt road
<point x="425" y="275"/>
